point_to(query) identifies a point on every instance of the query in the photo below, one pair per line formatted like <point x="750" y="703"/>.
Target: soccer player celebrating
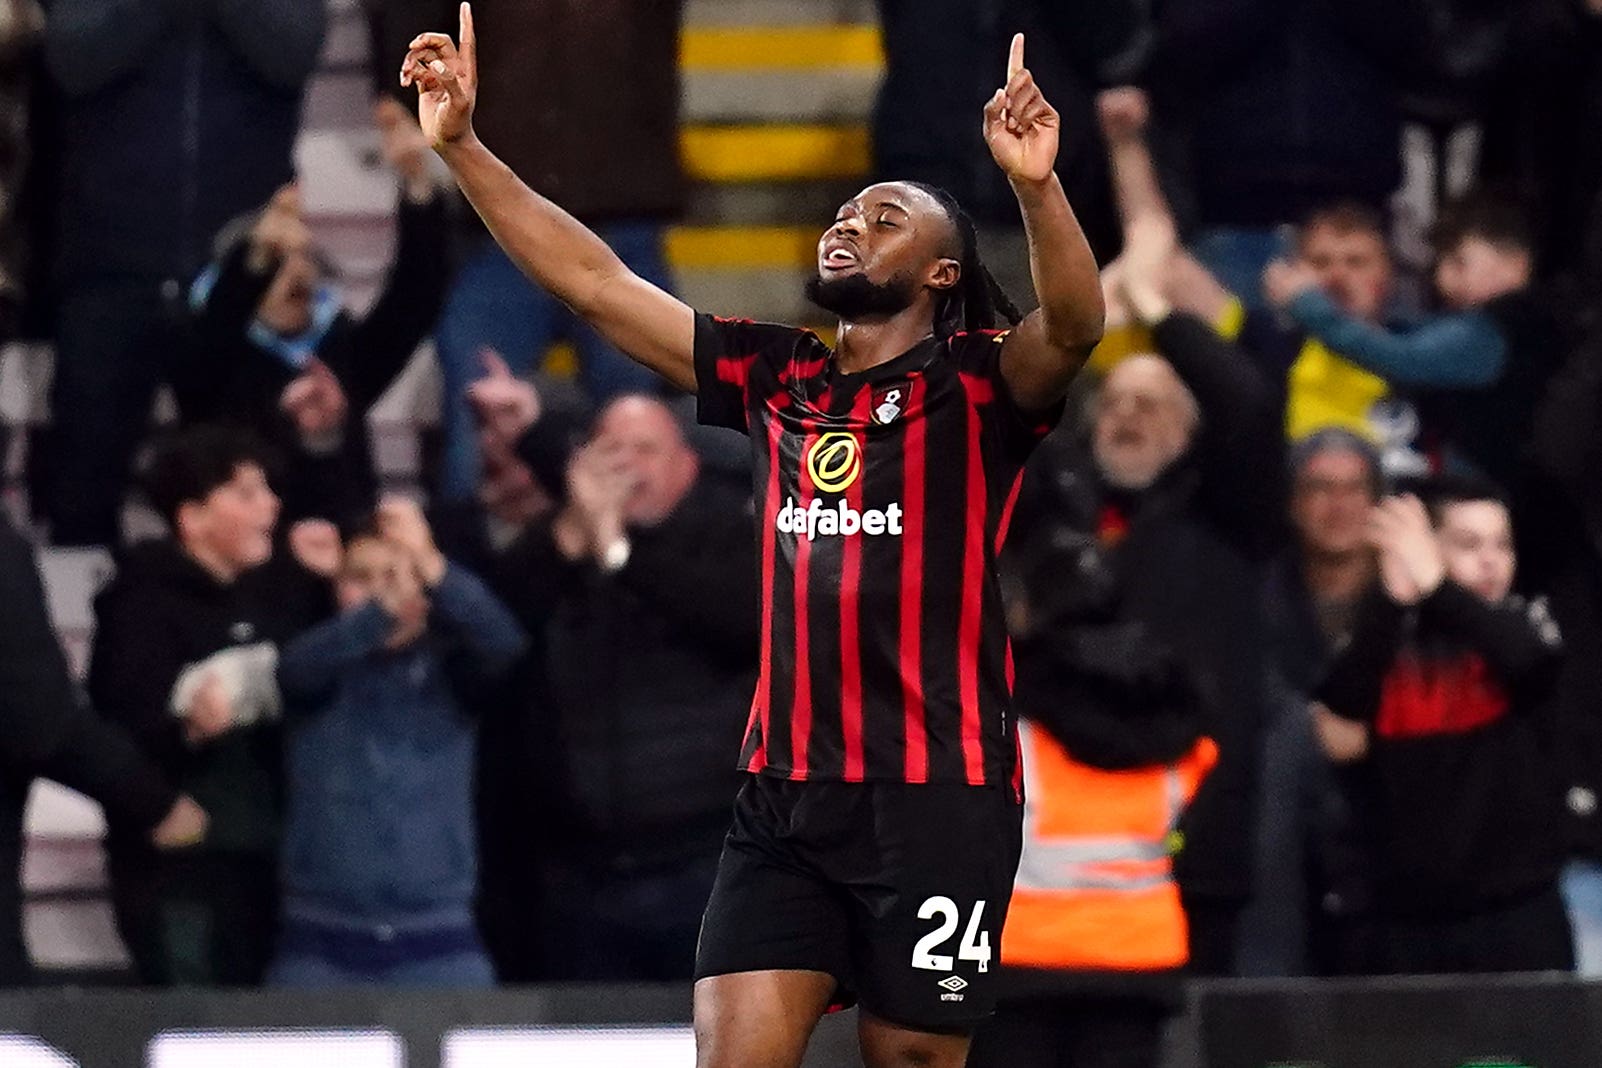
<point x="874" y="844"/>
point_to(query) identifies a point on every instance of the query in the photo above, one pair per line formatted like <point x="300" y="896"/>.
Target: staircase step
<point x="779" y="97"/>
<point x="812" y="47"/>
<point x="740" y="247"/>
<point x="776" y="12"/>
<point x="759" y="203"/>
<point x="774" y="152"/>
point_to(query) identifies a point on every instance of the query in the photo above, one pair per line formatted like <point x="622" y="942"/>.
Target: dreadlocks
<point x="977" y="302"/>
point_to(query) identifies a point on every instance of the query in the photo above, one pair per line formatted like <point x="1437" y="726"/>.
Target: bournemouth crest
<point x="889" y="402"/>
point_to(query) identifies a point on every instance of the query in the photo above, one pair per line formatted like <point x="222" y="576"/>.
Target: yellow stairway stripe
<point x="742" y="247"/>
<point x="775" y="48"/>
<point x="774" y="153"/>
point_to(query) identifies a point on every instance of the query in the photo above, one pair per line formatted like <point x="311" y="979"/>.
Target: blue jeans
<point x="1582" y="894"/>
<point x="493" y="305"/>
<point x="1237" y="257"/>
<point x="457" y="971"/>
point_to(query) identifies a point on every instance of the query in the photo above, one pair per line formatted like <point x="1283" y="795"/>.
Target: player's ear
<point x="945" y="274"/>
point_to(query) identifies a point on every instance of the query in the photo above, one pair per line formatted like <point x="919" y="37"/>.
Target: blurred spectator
<point x="379" y="859"/>
<point x="277" y="351"/>
<point x="642" y="592"/>
<point x="1163" y="518"/>
<point x="45" y="730"/>
<point x="1560" y="550"/>
<point x="1340" y="248"/>
<point x="1473" y="374"/>
<point x="20" y="24"/>
<point x="1096" y="937"/>
<point x="1306" y="885"/>
<point x="185" y="640"/>
<point x="541" y="63"/>
<point x="935" y="54"/>
<point x="1449" y="674"/>
<point x="1538" y="146"/>
<point x="175" y="116"/>
<point x="1283" y="106"/>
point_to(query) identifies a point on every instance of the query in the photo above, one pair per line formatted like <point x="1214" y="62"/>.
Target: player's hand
<point x="184" y="825"/>
<point x="506" y="405"/>
<point x="401" y="522"/>
<point x="1020" y="127"/>
<point x="446" y="77"/>
<point x="1285" y="280"/>
<point x="211" y="713"/>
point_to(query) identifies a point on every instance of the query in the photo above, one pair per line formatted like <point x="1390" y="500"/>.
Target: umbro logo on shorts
<point x="954" y="983"/>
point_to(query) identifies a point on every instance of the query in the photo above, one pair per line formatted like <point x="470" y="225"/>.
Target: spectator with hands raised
<point x="275" y="349"/>
<point x="379" y="858"/>
<point x="1450" y="677"/>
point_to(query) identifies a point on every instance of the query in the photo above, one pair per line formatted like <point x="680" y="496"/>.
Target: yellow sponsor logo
<point x="834" y="461"/>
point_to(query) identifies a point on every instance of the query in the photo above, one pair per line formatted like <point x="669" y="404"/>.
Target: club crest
<point x="889" y="402"/>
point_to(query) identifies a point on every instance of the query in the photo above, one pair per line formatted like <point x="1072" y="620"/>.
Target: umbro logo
<point x="954" y="983"/>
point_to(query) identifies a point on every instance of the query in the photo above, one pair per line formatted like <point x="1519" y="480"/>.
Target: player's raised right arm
<point x="554" y="249"/>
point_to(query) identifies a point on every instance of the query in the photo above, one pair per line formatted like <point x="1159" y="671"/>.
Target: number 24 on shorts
<point x="975" y="944"/>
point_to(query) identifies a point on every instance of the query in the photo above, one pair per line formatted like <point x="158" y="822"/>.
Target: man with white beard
<point x="1136" y="568"/>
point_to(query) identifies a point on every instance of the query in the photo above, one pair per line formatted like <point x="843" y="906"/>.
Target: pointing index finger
<point x="466" y="34"/>
<point x="1015" y="58"/>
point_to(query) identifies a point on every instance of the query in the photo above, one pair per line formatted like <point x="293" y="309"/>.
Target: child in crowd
<point x="379" y="862"/>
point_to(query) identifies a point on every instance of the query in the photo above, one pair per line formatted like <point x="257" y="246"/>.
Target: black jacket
<point x="175" y="116"/>
<point x="647" y="680"/>
<point x="1458" y="793"/>
<point x="230" y="379"/>
<point x="1559" y="530"/>
<point x="1285" y="104"/>
<point x="163" y="612"/>
<point x="46" y="730"/>
<point x="1148" y="624"/>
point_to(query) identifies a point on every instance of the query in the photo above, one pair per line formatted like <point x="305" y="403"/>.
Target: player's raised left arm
<point x="1045" y="351"/>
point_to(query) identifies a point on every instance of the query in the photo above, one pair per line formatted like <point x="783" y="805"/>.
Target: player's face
<point x="1353" y="266"/>
<point x="1330" y="506"/>
<point x="885" y="246"/>
<point x="1476" y="539"/>
<point x="1143" y="422"/>
<point x="1476" y="271"/>
<point x="647" y="443"/>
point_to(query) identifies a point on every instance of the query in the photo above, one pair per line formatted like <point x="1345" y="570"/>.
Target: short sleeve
<point x="1016" y="430"/>
<point x="729" y="354"/>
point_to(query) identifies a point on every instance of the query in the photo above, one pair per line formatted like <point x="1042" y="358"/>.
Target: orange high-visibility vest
<point x="1095" y="888"/>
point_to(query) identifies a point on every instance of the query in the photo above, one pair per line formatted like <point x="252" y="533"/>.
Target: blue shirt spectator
<point x="379" y="861"/>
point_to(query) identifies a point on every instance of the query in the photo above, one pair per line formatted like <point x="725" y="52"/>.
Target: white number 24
<point x="975" y="944"/>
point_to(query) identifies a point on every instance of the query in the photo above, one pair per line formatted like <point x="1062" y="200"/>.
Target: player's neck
<point x="862" y="346"/>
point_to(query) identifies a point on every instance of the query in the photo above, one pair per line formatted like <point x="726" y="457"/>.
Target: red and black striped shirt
<point x="882" y="499"/>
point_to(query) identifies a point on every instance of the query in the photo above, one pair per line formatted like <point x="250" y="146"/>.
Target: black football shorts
<point x="898" y="890"/>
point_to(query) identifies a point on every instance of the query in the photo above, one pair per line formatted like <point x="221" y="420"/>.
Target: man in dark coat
<point x="45" y="730"/>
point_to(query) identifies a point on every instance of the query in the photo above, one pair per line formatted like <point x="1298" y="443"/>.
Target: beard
<point x="855" y="297"/>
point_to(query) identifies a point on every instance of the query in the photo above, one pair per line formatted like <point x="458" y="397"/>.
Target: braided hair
<point x="976" y="302"/>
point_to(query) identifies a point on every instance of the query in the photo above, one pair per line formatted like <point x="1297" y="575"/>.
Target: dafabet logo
<point x="834" y="464"/>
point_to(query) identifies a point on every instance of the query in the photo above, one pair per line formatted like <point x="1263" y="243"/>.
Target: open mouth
<point x="840" y="258"/>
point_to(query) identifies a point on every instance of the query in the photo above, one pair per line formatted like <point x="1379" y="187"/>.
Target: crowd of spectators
<point x="1328" y="504"/>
